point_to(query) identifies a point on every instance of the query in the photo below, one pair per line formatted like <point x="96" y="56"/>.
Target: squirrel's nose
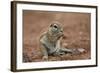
<point x="61" y="30"/>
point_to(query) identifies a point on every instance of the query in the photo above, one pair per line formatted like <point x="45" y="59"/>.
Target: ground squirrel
<point x="50" y="41"/>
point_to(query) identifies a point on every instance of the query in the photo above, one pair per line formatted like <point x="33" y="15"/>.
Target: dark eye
<point x="55" y="26"/>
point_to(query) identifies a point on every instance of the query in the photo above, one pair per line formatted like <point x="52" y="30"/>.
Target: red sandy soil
<point x="76" y="30"/>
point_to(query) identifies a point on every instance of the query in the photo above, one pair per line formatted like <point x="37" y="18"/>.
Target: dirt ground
<point x="76" y="30"/>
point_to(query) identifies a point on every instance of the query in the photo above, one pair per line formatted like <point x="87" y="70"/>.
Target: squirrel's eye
<point x="55" y="26"/>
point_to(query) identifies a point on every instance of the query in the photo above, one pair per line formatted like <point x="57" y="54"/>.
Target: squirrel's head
<point x="56" y="28"/>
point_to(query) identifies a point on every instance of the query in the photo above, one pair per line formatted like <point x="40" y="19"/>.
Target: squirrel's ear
<point x="51" y="25"/>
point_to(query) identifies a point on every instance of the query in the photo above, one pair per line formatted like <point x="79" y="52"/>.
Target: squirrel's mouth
<point x="60" y="36"/>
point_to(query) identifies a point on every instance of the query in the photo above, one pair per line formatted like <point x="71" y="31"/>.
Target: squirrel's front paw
<point x="45" y="58"/>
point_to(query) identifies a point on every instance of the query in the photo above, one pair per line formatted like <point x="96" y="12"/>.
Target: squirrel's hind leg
<point x="66" y="50"/>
